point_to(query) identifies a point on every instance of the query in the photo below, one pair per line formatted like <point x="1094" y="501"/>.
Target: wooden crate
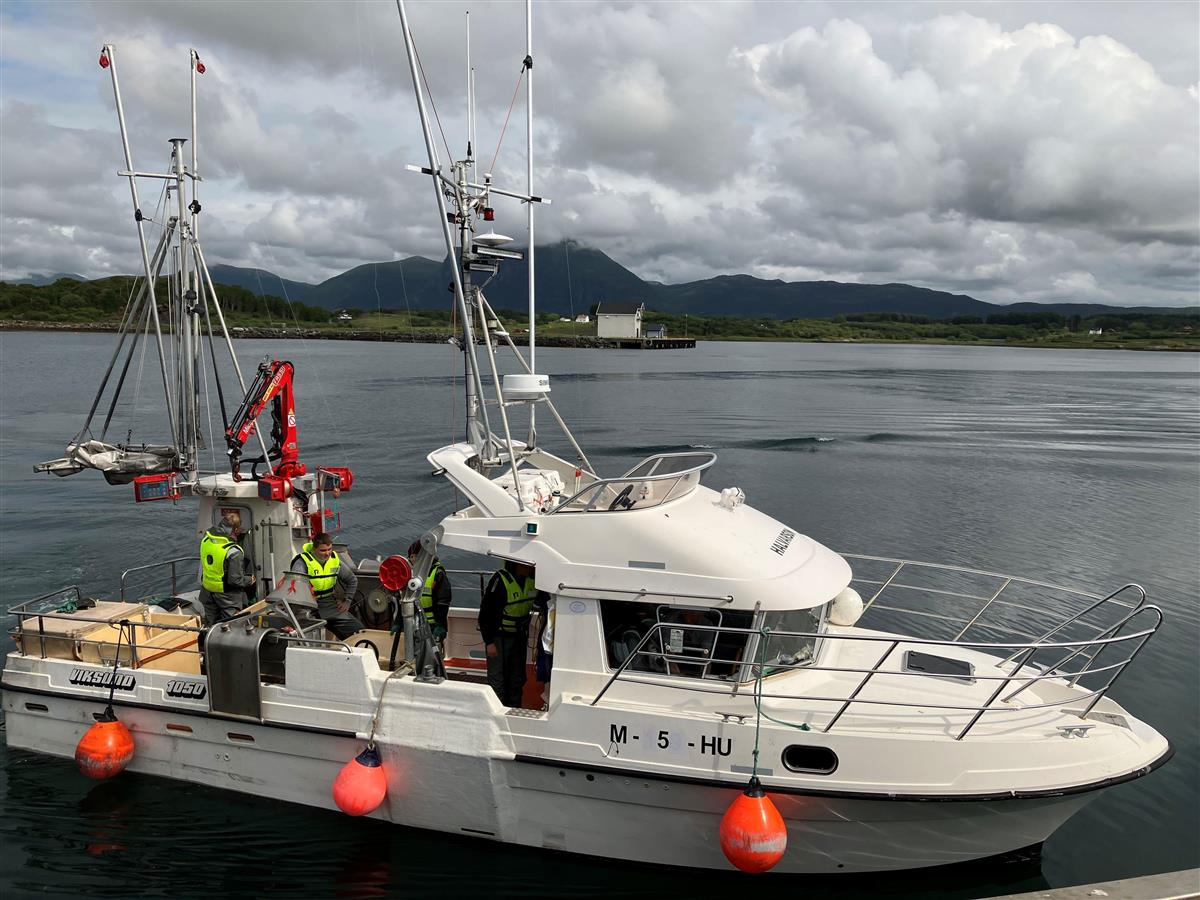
<point x="154" y="647"/>
<point x="64" y="635"/>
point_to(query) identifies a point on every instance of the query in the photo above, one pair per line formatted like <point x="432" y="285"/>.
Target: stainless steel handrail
<point x="653" y="461"/>
<point x="656" y="460"/>
<point x="20" y="609"/>
<point x="1024" y="651"/>
<point x="158" y="565"/>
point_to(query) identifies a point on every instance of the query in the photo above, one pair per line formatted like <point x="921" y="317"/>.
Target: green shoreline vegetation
<point x="99" y="305"/>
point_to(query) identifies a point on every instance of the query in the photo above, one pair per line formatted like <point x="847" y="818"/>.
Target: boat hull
<point x="593" y="811"/>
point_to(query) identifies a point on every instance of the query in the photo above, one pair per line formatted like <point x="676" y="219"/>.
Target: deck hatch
<point x="948" y="668"/>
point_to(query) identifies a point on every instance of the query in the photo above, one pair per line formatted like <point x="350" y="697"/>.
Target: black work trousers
<point x="506" y="671"/>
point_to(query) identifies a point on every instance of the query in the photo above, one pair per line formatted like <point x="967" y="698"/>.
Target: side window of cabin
<point x="689" y="641"/>
<point x="795" y="638"/>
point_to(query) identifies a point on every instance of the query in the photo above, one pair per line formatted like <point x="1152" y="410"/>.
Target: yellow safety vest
<point x="427" y="593"/>
<point x="321" y="577"/>
<point x="213" y="550"/>
<point x="519" y="604"/>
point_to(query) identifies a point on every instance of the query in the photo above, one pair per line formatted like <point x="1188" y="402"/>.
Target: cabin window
<point x="689" y="641"/>
<point x="793" y="640"/>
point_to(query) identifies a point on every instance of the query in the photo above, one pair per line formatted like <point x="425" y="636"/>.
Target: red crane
<point x="273" y="385"/>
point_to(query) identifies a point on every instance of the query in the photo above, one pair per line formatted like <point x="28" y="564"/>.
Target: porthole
<point x="813" y="760"/>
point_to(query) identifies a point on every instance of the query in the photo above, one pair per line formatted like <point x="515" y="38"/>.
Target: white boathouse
<point x="619" y="318"/>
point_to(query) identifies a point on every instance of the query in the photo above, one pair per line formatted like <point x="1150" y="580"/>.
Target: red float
<point x="753" y="835"/>
<point x="105" y="749"/>
<point x="394" y="573"/>
<point x="361" y="785"/>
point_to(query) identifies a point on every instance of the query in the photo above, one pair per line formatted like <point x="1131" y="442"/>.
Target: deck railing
<point x="172" y="564"/>
<point x="652" y="482"/>
<point x="1068" y="649"/>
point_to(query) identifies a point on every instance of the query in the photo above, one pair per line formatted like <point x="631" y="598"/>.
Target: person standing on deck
<point x="320" y="562"/>
<point x="223" y="576"/>
<point x="504" y="617"/>
<point x="435" y="596"/>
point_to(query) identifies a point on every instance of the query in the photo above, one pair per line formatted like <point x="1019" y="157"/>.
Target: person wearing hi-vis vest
<point x="320" y="562"/>
<point x="223" y="576"/>
<point x="504" y="617"/>
<point x="435" y="596"/>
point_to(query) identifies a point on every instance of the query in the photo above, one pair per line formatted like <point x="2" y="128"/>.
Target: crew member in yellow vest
<point x="435" y="596"/>
<point x="224" y="581"/>
<point x="321" y="563"/>
<point x="504" y="615"/>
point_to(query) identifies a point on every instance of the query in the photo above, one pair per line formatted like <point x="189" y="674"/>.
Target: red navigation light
<point x="103" y="60"/>
<point x="199" y="66"/>
<point x="489" y="214"/>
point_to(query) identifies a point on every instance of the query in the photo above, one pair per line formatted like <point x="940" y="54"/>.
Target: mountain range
<point x="571" y="278"/>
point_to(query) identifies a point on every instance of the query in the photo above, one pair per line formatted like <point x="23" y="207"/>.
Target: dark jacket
<point x="491" y="608"/>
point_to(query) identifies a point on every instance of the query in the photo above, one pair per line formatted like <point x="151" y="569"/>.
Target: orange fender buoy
<point x="361" y="785"/>
<point x="105" y="749"/>
<point x="753" y="836"/>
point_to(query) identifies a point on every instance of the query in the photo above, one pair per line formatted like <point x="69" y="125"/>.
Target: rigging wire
<point x="516" y="90"/>
<point x="137" y="383"/>
<point x="432" y="104"/>
<point x="212" y="444"/>
<point x="329" y="412"/>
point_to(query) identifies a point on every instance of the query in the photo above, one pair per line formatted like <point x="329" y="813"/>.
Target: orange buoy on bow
<point x="105" y="749"/>
<point x="753" y="836"/>
<point x="361" y="785"/>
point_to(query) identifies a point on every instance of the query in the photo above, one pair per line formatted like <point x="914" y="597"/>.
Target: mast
<point x="109" y="55"/>
<point x="189" y="289"/>
<point x="187" y="296"/>
<point x="529" y="206"/>
<point x="476" y="433"/>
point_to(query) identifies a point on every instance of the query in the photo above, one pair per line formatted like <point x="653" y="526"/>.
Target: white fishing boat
<point x="724" y="691"/>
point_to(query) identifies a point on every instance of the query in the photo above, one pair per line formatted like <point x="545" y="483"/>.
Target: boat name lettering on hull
<point x="708" y="745"/>
<point x="91" y="678"/>
<point x="190" y="690"/>
<point x="782" y="541"/>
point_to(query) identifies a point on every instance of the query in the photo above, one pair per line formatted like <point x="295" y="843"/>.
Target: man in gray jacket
<point x="321" y="563"/>
<point x="223" y="575"/>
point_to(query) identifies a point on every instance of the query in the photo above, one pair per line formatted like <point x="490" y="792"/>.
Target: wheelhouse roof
<point x="693" y="550"/>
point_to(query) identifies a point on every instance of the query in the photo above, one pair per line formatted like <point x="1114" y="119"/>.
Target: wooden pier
<point x="646" y="343"/>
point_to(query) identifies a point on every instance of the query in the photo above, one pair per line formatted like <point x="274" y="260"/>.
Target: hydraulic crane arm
<point x="272" y="385"/>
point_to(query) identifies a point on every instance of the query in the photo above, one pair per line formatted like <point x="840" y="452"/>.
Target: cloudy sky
<point x="1012" y="151"/>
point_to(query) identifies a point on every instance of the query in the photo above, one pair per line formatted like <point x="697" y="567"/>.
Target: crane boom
<point x="273" y="384"/>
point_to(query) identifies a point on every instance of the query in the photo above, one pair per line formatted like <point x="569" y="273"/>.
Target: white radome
<point x="846" y="608"/>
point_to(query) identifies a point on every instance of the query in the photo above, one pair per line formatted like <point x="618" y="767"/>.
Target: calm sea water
<point x="1077" y="467"/>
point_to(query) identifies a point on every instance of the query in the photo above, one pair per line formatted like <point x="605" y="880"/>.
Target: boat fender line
<point x="361" y="785"/>
<point x="753" y="834"/>
<point x="107" y="747"/>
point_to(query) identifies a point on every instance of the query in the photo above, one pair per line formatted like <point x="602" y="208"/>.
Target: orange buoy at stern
<point x="361" y="785"/>
<point x="753" y="835"/>
<point x="105" y="749"/>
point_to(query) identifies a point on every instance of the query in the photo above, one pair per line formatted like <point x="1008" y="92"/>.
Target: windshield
<point x="786" y="649"/>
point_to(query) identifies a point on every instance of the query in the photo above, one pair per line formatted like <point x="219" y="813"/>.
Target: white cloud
<point x="960" y="147"/>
